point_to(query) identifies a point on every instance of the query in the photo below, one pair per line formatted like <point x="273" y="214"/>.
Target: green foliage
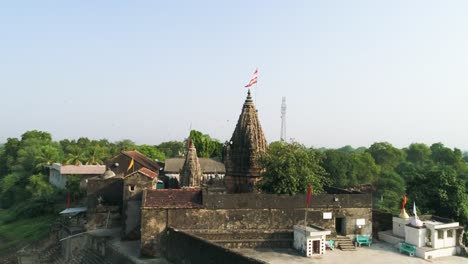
<point x="348" y="169"/>
<point x="290" y="168"/>
<point x="206" y="146"/>
<point x="151" y="152"/>
<point x="16" y="231"/>
<point x="390" y="188"/>
<point x="40" y="188"/>
<point x="172" y="149"/>
<point x="385" y="155"/>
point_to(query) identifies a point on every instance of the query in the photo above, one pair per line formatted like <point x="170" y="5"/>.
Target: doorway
<point x="316" y="247"/>
<point x="340" y="226"/>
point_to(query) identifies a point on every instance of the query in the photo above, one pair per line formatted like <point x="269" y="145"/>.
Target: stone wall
<point x="255" y="212"/>
<point x="186" y="248"/>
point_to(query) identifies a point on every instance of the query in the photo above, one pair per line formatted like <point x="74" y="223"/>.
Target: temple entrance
<point x="340" y="226"/>
<point x="316" y="247"/>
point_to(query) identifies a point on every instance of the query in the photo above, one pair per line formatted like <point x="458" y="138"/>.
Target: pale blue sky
<point x="353" y="72"/>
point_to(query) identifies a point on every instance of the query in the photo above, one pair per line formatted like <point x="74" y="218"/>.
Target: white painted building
<point x="310" y="240"/>
<point x="58" y="173"/>
<point x="435" y="237"/>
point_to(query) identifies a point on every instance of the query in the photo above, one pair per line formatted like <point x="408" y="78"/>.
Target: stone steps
<point x="345" y="244"/>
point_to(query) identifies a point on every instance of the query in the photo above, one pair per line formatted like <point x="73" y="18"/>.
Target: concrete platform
<point x="378" y="252"/>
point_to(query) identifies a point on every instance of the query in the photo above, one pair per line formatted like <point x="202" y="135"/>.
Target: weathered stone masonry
<point x="253" y="212"/>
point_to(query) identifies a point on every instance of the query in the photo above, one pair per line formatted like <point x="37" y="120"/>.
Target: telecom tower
<point x="283" y="119"/>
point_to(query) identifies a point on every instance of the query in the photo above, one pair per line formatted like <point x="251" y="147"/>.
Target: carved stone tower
<point x="244" y="149"/>
<point x="191" y="173"/>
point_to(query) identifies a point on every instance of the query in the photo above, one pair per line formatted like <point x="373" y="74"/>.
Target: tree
<point x="339" y="166"/>
<point x="48" y="155"/>
<point x="385" y="155"/>
<point x="445" y="156"/>
<point x="151" y="152"/>
<point x="290" y="168"/>
<point x="418" y="153"/>
<point x="125" y="144"/>
<point x="365" y="170"/>
<point x="206" y="146"/>
<point x="350" y="169"/>
<point x="8" y="155"/>
<point x="390" y="188"/>
<point x="172" y="148"/>
<point x="75" y="156"/>
<point x="40" y="188"/>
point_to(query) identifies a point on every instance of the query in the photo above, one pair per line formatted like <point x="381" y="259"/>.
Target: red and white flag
<point x="254" y="79"/>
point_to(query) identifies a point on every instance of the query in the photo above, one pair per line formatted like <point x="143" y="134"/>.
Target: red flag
<point x="68" y="200"/>
<point x="254" y="79"/>
<point x="309" y="194"/>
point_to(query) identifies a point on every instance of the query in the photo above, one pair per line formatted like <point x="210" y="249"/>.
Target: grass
<point x="14" y="234"/>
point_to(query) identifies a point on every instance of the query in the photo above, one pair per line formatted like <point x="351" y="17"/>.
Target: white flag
<point x="414" y="211"/>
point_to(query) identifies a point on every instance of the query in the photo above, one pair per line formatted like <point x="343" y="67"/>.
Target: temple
<point x="243" y="151"/>
<point x="191" y="173"/>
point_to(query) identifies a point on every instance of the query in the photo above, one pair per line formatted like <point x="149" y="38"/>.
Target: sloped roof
<point x="80" y="169"/>
<point x="208" y="166"/>
<point x="173" y="198"/>
<point x="142" y="159"/>
<point x="146" y="172"/>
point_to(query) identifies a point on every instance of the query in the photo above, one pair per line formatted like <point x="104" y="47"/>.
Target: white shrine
<point x="433" y="236"/>
<point x="310" y="240"/>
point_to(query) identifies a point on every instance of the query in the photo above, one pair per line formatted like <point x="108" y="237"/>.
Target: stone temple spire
<point x="191" y="173"/>
<point x="244" y="149"/>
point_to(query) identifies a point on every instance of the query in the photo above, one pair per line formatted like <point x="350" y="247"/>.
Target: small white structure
<point x="310" y="240"/>
<point x="59" y="173"/>
<point x="433" y="237"/>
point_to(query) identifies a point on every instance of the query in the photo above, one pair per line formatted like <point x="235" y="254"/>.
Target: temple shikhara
<point x="243" y="151"/>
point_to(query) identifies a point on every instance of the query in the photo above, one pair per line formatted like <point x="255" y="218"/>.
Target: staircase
<point x="344" y="243"/>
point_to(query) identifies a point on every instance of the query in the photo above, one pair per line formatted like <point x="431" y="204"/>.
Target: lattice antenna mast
<point x="283" y="119"/>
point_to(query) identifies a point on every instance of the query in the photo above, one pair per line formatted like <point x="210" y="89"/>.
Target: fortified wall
<point x="234" y="215"/>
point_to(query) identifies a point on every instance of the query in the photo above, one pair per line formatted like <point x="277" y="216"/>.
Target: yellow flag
<point x="130" y="165"/>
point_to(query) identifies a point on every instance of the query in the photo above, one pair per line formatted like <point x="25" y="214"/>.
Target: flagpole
<point x="305" y="214"/>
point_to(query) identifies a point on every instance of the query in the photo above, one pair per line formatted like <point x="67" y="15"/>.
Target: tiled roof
<point x="142" y="159"/>
<point x="148" y="173"/>
<point x="80" y="170"/>
<point x="208" y="166"/>
<point x="173" y="198"/>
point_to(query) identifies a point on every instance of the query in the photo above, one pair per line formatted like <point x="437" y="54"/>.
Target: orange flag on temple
<point x="404" y="202"/>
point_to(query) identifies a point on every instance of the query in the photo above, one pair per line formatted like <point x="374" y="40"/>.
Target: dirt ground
<point x="379" y="252"/>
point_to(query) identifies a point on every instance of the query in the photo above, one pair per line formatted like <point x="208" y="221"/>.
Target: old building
<point x="244" y="149"/>
<point x="59" y="174"/>
<point x="105" y="194"/>
<point x="133" y="186"/>
<point x="247" y="219"/>
<point x="211" y="168"/>
<point x="120" y="163"/>
<point x="191" y="173"/>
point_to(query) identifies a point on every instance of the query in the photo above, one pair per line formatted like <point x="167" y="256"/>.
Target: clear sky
<point x="353" y="72"/>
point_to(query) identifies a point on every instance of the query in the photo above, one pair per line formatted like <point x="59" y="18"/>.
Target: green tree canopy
<point x="206" y="146"/>
<point x="172" y="148"/>
<point x="151" y="152"/>
<point x="385" y="155"/>
<point x="290" y="168"/>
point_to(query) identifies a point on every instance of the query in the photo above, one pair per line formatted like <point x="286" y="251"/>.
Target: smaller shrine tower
<point x="191" y="173"/>
<point x="243" y="151"/>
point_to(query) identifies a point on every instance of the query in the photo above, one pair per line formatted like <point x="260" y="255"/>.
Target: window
<point x="440" y="234"/>
<point x="131" y="188"/>
<point x="449" y="233"/>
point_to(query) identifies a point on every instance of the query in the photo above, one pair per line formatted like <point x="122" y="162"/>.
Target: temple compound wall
<point x="345" y="214"/>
